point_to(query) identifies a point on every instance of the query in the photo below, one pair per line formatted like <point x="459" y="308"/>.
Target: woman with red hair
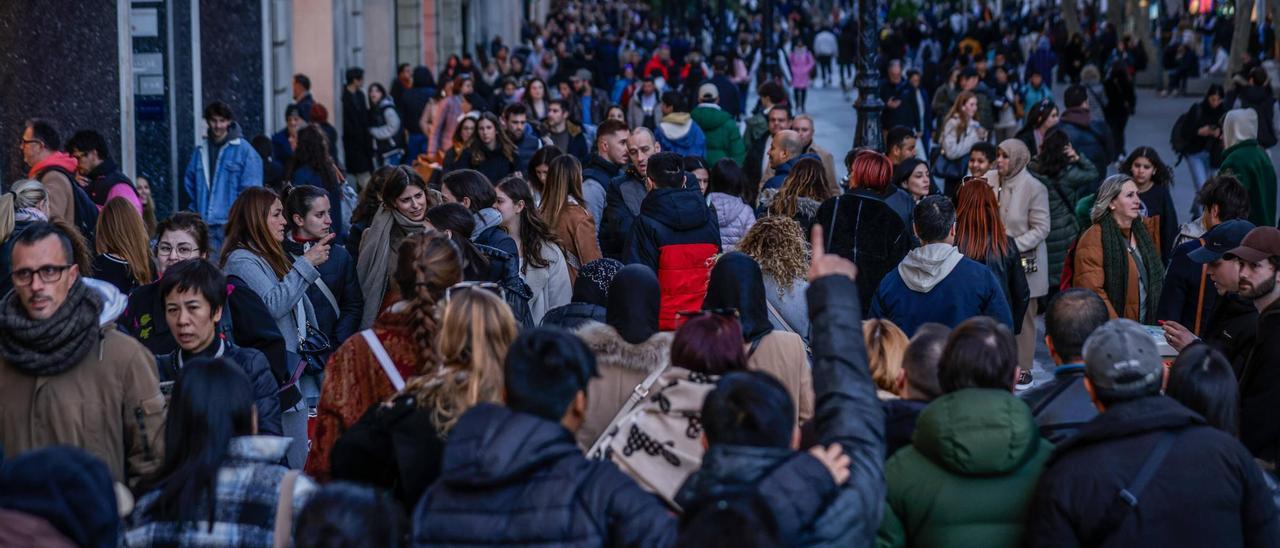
<point x="863" y="224"/>
<point x="980" y="236"/>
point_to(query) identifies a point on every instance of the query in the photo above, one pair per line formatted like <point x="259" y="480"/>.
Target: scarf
<point x="373" y="266"/>
<point x="51" y="346"/>
<point x="1115" y="266"/>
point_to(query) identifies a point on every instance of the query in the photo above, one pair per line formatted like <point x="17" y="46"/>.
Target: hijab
<point x="736" y="282"/>
<point x="1018" y="155"/>
<point x="633" y="303"/>
<point x="1239" y="125"/>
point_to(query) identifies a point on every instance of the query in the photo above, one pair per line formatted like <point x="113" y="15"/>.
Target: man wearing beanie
<point x="675" y="234"/>
<point x="1147" y="471"/>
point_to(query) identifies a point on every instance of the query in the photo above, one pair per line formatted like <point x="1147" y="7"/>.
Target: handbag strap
<point x="300" y="319"/>
<point x="380" y="353"/>
<point x="284" y="511"/>
<point x="328" y="295"/>
<point x="1126" y="499"/>
<point x="781" y="319"/>
<point x="1204" y="273"/>
<point x="640" y="392"/>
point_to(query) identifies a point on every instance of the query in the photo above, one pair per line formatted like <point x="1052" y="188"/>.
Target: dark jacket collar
<point x="1130" y="418"/>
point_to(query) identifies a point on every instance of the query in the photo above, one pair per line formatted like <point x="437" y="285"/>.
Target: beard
<point x="1255" y="291"/>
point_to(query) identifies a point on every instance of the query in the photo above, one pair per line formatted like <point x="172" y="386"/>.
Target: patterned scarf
<point x="51" y="346"/>
<point x="1115" y="266"/>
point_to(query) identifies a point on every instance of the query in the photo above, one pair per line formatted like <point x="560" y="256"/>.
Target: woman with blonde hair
<point x="1119" y="256"/>
<point x="803" y="191"/>
<point x="778" y="246"/>
<point x="355" y="378"/>
<point x="400" y="445"/>
<point x="886" y="346"/>
<point x="563" y="210"/>
<point x="959" y="133"/>
<point x="26" y="202"/>
<point x="123" y="248"/>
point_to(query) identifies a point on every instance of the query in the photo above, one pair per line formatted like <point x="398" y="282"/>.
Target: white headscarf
<point x="1240" y="125"/>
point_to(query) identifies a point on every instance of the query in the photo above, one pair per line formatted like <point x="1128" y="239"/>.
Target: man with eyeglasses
<point x="67" y="376"/>
<point x="55" y="169"/>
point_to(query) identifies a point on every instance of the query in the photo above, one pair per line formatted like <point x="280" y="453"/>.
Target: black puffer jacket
<point x="513" y="479"/>
<point x="255" y="367"/>
<point x="1062" y="405"/>
<point x="848" y="413"/>
<point x="622" y="199"/>
<point x="1232" y="328"/>
<point x="1207" y="492"/>
<point x="1013" y="279"/>
<point x="868" y="232"/>
<point x="1260" y="389"/>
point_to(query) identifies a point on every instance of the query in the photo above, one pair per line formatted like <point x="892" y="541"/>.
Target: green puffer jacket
<point x="723" y="139"/>
<point x="968" y="476"/>
<point x="1072" y="183"/>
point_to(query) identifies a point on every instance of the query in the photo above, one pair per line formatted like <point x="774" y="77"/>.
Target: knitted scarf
<point x="377" y="258"/>
<point x="1115" y="265"/>
<point x="51" y="346"/>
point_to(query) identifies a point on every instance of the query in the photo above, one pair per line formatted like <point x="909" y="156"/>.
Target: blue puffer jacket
<point x="339" y="275"/>
<point x="513" y="479"/>
<point x="781" y="172"/>
<point x="809" y="512"/>
<point x="238" y="168"/>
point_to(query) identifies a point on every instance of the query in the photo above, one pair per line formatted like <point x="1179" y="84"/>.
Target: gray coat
<point x="790" y="304"/>
<point x="280" y="296"/>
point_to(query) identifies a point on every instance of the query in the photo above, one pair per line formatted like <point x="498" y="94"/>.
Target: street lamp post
<point x="869" y="105"/>
<point x="768" y="55"/>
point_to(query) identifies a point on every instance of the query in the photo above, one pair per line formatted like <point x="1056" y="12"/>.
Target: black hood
<point x="677" y="208"/>
<point x="633" y="303"/>
<point x="736" y="282"/>
<point x="596" y="161"/>
<point x="67" y="487"/>
<point x="592" y="286"/>
<point x="1131" y="418"/>
<point x="492" y="445"/>
<point x="422" y="78"/>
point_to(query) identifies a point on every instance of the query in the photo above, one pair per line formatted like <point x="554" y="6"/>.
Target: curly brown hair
<point x="777" y="244"/>
<point x="808" y="179"/>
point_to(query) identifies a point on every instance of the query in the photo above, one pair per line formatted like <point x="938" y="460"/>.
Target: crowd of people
<point x="582" y="290"/>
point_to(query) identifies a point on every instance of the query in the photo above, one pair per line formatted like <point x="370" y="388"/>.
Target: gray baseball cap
<point x="1121" y="358"/>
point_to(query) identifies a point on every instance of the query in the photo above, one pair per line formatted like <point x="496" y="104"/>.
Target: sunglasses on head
<point x="466" y="286"/>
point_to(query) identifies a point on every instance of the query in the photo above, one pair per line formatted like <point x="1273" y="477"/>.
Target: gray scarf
<point x="376" y="259"/>
<point x="48" y="347"/>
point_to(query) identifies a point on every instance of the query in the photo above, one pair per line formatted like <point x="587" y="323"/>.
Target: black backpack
<point x="86" y="211"/>
<point x="1178" y="140"/>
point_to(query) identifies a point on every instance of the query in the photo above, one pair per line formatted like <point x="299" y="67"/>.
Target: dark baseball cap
<point x="1121" y="358"/>
<point x="1221" y="239"/>
<point x="1260" y="243"/>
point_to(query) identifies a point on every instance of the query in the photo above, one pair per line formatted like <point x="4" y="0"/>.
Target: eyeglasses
<point x="164" y="250"/>
<point x="25" y="142"/>
<point x="48" y="274"/>
<point x="464" y="286"/>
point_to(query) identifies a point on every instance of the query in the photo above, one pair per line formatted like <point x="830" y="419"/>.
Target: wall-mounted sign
<point x="144" y="23"/>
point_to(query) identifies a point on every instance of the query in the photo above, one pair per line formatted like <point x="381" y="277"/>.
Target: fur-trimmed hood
<point x="805" y="207"/>
<point x="612" y="351"/>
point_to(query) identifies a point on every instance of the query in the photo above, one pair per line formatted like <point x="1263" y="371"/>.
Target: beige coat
<point x="622" y="366"/>
<point x="829" y="164"/>
<point x="1024" y="209"/>
<point x="109" y="405"/>
<point x="782" y="354"/>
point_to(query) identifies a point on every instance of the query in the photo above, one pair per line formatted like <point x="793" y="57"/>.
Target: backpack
<point x="86" y="211"/>
<point x="1178" y="136"/>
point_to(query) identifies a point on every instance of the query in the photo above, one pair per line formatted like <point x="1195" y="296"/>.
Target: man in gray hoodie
<point x="935" y="283"/>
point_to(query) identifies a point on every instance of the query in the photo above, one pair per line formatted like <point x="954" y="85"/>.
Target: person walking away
<point x="719" y="127"/>
<point x="1089" y="137"/>
<point x="54" y="169"/>
<point x="98" y="173"/>
<point x="1068" y="176"/>
<point x="992" y="480"/>
<point x="1118" y="257"/>
<point x="312" y="165"/>
<point x="778" y="246"/>
<point x="357" y="142"/>
<point x="825" y="48"/>
<point x="1122" y="104"/>
<point x="1062" y="405"/>
<point x="1129" y="456"/>
<point x="677" y="132"/>
<point x="564" y="213"/>
<point x="121" y="255"/>
<point x="978" y="237"/>
<point x="1249" y="162"/>
<point x="67" y="376"/>
<point x="223" y="166"/>
<point x="724" y="195"/>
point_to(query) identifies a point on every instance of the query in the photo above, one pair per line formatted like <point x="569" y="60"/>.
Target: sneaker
<point x="1025" y="380"/>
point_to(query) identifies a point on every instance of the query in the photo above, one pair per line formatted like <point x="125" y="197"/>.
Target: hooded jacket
<point x="722" y="137"/>
<point x="935" y="283"/>
<point x="736" y="282"/>
<point x="1024" y="209"/>
<point x="675" y="236"/>
<point x="237" y="167"/>
<point x="107" y="181"/>
<point x="622" y="200"/>
<point x="596" y="174"/>
<point x="53" y="172"/>
<point x="867" y="231"/>
<point x="1208" y="490"/>
<point x="852" y="417"/>
<point x="1064" y="190"/>
<point x="735" y="218"/>
<point x="806" y="208"/>
<point x="1091" y="138"/>
<point x="416" y="99"/>
<point x="679" y="134"/>
<point x="109" y="403"/>
<point x="514" y="479"/>
<point x="1250" y="164"/>
<point x="968" y="476"/>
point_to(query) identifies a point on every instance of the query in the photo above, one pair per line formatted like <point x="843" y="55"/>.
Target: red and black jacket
<point x="676" y="235"/>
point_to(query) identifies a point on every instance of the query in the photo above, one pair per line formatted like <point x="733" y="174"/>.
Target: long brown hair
<point x="247" y="229"/>
<point x="534" y="232"/>
<point x="564" y="181"/>
<point x="122" y="233"/>
<point x="979" y="229"/>
<point x="808" y="179"/>
<point x="503" y="144"/>
<point x="957" y="110"/>
<point x="475" y="330"/>
<point x="428" y="263"/>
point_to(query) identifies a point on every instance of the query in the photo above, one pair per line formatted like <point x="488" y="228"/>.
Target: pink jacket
<point x="802" y="63"/>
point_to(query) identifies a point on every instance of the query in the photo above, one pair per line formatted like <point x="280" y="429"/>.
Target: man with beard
<point x="1259" y="259"/>
<point x="626" y="193"/>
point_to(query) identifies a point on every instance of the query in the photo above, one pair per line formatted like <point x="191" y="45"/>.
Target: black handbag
<point x="314" y="349"/>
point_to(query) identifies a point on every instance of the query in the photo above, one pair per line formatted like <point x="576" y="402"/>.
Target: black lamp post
<point x="768" y="55"/>
<point x="869" y="105"/>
